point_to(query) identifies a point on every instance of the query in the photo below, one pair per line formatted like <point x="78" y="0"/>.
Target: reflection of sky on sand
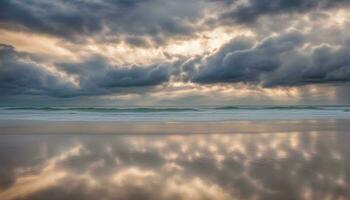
<point x="296" y="165"/>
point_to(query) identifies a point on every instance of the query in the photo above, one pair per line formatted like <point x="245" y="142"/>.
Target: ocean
<point x="173" y="114"/>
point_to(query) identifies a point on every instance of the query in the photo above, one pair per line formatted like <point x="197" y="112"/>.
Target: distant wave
<point x="150" y="109"/>
<point x="272" y="107"/>
<point x="100" y="109"/>
<point x="34" y="108"/>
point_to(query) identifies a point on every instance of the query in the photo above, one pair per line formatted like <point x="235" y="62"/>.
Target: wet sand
<point x="166" y="128"/>
<point x="260" y="160"/>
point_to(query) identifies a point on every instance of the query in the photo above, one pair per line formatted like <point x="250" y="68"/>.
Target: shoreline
<point x="172" y="128"/>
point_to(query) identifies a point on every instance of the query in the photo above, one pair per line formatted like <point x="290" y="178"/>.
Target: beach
<point x="236" y="159"/>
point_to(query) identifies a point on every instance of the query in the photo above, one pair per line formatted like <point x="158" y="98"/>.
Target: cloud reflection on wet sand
<point x="294" y="165"/>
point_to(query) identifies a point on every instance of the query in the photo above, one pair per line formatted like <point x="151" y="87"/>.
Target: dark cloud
<point x="19" y="74"/>
<point x="137" y="41"/>
<point x="157" y="19"/>
<point x="242" y="61"/>
<point x="97" y="75"/>
<point x="274" y="61"/>
<point x="250" y="10"/>
<point x="76" y="19"/>
<point x="324" y="64"/>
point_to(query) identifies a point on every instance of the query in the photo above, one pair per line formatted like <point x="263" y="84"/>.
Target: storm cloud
<point x="166" y="49"/>
<point x="274" y="61"/>
<point x="241" y="61"/>
<point x="249" y="11"/>
<point x="96" y="75"/>
<point x="108" y="19"/>
<point x="21" y="74"/>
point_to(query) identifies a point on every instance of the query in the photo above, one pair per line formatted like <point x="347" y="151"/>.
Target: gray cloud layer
<point x="20" y="74"/>
<point x="96" y="75"/>
<point x="250" y="10"/>
<point x="109" y="18"/>
<point x="274" y="57"/>
<point x="275" y="61"/>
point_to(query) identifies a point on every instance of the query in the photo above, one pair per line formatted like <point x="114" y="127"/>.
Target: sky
<point x="183" y="52"/>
